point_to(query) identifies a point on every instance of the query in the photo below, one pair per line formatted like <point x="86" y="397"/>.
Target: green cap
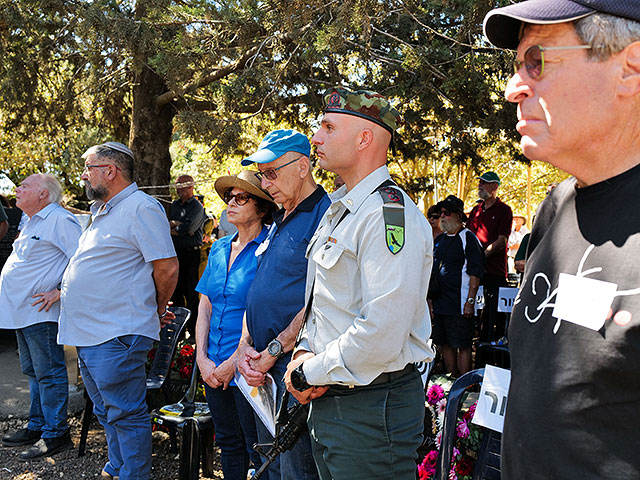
<point x="364" y="104"/>
<point x="490" y="177"/>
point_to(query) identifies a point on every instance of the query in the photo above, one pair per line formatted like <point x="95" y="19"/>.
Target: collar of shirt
<point x="498" y="202"/>
<point x="44" y="212"/>
<point x="306" y="205"/>
<point x="120" y="196"/>
<point x="353" y="199"/>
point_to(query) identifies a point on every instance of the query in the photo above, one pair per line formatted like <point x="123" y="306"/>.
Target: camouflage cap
<point x="364" y="104"/>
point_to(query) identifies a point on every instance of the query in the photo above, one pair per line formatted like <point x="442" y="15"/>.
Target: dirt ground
<point x="68" y="466"/>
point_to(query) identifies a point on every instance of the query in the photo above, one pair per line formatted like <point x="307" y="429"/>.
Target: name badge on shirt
<point x="583" y="301"/>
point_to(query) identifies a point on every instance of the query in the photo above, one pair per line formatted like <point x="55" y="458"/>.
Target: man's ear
<point x="365" y="138"/>
<point x="630" y="80"/>
<point x="304" y="166"/>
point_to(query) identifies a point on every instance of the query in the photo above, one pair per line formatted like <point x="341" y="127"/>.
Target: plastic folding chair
<point x="487" y="466"/>
<point x="170" y="334"/>
<point x="194" y="421"/>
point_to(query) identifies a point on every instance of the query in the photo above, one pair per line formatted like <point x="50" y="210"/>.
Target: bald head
<point x="185" y="191"/>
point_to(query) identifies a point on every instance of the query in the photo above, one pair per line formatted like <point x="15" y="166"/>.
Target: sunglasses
<point x="240" y="198"/>
<point x="445" y="213"/>
<point x="435" y="216"/>
<point x="271" y="173"/>
<point x="534" y="59"/>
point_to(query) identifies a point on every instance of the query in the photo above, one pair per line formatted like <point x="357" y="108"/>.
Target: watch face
<point x="274" y="348"/>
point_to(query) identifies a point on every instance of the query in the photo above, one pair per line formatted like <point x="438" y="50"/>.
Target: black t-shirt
<point x="456" y="257"/>
<point x="574" y="401"/>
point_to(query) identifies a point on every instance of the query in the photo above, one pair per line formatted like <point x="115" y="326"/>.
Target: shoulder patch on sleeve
<point x="393" y="213"/>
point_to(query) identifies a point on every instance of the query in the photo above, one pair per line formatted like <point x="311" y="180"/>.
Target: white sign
<point x="583" y="301"/>
<point x="479" y="299"/>
<point x="492" y="402"/>
<point x="506" y="296"/>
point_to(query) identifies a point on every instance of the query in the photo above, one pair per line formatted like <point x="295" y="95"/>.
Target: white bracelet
<point x="166" y="310"/>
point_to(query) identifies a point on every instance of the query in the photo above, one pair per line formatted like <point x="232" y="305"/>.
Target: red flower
<point x="464" y="467"/>
<point x="185" y="372"/>
<point x="186" y="351"/>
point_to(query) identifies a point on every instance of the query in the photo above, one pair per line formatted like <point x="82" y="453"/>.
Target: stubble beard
<point x="96" y="193"/>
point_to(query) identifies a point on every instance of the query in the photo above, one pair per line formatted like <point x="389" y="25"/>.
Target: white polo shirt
<point x="40" y="254"/>
<point x="108" y="288"/>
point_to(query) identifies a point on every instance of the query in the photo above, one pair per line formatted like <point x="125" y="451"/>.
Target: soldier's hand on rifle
<point x="309" y="394"/>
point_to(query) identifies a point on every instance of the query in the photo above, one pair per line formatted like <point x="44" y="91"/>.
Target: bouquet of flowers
<point x="468" y="435"/>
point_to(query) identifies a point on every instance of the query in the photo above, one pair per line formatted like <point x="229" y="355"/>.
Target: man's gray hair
<point x="116" y="154"/>
<point x="52" y="185"/>
<point x="607" y="34"/>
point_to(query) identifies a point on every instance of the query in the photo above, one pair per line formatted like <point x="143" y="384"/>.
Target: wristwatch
<point x="471" y="300"/>
<point x="298" y="380"/>
<point x="275" y="348"/>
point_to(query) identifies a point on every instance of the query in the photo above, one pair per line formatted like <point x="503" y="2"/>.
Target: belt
<point x="382" y="379"/>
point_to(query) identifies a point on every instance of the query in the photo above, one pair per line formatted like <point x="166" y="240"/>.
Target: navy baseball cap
<point x="502" y="25"/>
<point x="277" y="143"/>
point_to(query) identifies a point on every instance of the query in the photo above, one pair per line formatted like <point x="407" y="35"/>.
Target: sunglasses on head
<point x="240" y="198"/>
<point x="534" y="58"/>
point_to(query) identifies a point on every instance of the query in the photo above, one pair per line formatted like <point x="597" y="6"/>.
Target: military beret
<point x="364" y="104"/>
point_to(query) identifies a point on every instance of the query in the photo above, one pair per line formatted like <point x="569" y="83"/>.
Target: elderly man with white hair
<point x="29" y="303"/>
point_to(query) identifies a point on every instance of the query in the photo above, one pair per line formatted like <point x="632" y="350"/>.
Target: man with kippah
<point x="573" y="408"/>
<point x="114" y="294"/>
<point x="368" y="322"/>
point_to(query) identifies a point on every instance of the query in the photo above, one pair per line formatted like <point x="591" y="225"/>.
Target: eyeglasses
<point x="240" y="198"/>
<point x="534" y="58"/>
<point x="445" y="213"/>
<point x="89" y="167"/>
<point x="434" y="216"/>
<point x="271" y="173"/>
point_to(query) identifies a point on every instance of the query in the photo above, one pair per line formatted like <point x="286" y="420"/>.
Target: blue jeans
<point x="235" y="429"/>
<point x="42" y="360"/>
<point x="294" y="464"/>
<point x="115" y="378"/>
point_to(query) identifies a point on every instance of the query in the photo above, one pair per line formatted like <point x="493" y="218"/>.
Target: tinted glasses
<point x="445" y="213"/>
<point x="241" y="198"/>
<point x="271" y="173"/>
<point x="534" y="59"/>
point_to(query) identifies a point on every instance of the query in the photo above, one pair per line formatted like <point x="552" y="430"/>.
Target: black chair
<point x="194" y="420"/>
<point x="495" y="352"/>
<point x="487" y="466"/>
<point x="170" y="334"/>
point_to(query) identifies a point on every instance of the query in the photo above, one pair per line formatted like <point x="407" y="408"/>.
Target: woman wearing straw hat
<point x="224" y="286"/>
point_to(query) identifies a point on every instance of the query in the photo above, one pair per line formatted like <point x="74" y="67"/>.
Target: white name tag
<point x="583" y="301"/>
<point x="492" y="402"/>
<point x="506" y="297"/>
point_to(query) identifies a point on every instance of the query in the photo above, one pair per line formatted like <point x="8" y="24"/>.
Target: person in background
<point x="224" y="286"/>
<point x="433" y="216"/>
<point x="186" y="217"/>
<point x="208" y="237"/>
<point x="459" y="266"/>
<point x="574" y="334"/>
<point x="29" y="303"/>
<point x="114" y="296"/>
<point x="518" y="231"/>
<point x="490" y="220"/>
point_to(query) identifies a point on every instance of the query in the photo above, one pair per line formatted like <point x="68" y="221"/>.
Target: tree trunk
<point x="150" y="135"/>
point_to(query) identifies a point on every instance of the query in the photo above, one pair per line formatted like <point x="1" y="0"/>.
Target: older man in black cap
<point x="575" y="328"/>
<point x="365" y="330"/>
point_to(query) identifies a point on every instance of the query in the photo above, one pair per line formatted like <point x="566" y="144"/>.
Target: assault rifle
<point x="291" y="422"/>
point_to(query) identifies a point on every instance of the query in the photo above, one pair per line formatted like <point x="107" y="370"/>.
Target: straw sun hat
<point x="245" y="180"/>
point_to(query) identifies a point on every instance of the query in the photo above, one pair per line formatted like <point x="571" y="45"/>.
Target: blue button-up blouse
<point x="227" y="291"/>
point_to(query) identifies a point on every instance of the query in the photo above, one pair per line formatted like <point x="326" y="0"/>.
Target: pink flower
<point x="441" y="406"/>
<point x="462" y="429"/>
<point x="435" y="394"/>
<point x="468" y="416"/>
<point x="456" y="453"/>
<point x="438" y="439"/>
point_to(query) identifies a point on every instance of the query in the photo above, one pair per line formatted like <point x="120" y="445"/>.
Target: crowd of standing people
<point x="333" y="296"/>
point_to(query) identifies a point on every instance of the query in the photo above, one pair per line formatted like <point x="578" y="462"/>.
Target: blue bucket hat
<point x="502" y="25"/>
<point x="277" y="143"/>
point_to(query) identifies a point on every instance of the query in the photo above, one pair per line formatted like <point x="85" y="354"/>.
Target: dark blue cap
<point x="277" y="143"/>
<point x="502" y="25"/>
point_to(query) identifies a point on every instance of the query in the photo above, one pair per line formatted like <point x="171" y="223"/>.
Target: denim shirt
<point x="277" y="293"/>
<point x="226" y="288"/>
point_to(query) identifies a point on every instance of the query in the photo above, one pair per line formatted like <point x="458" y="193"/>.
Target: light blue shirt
<point x="40" y="254"/>
<point x="226" y="288"/>
<point x="108" y="288"/>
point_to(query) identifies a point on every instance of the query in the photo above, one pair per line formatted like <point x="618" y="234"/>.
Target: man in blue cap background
<point x="575" y="327"/>
<point x="275" y="301"/>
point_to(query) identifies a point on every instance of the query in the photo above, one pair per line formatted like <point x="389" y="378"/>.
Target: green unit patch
<point x="395" y="238"/>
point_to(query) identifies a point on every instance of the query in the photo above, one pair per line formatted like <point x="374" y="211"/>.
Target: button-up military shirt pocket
<point x="333" y="282"/>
